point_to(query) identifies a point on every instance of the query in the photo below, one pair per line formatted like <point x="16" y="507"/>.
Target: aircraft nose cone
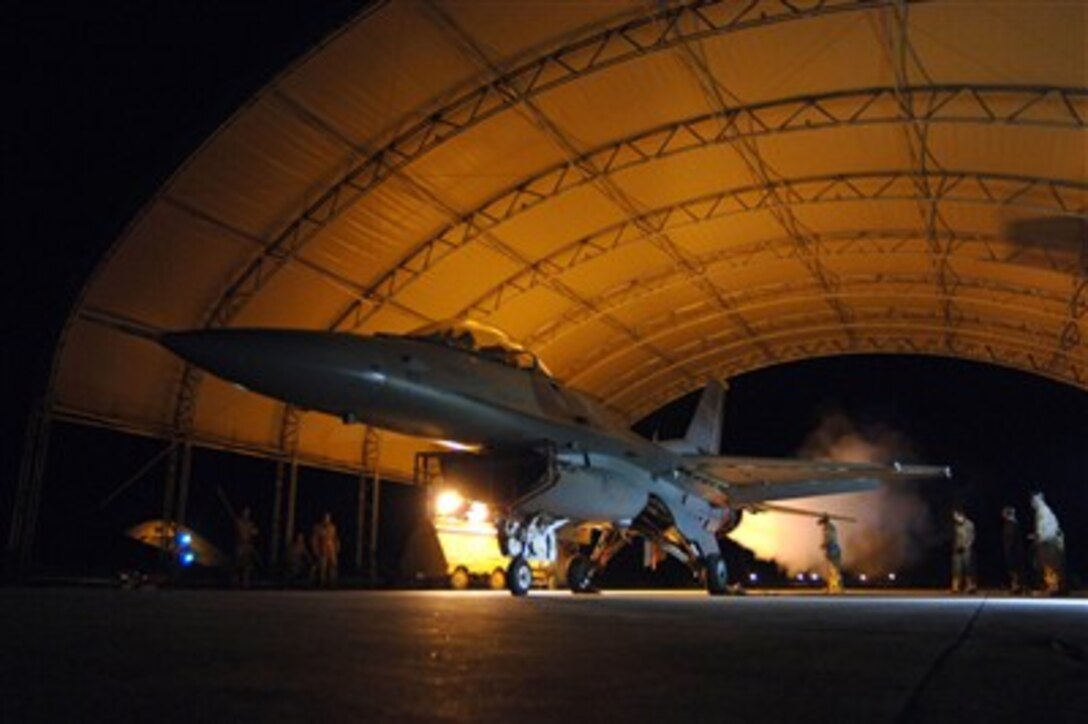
<point x="257" y="358"/>
<point x="219" y="351"/>
<point x="314" y="370"/>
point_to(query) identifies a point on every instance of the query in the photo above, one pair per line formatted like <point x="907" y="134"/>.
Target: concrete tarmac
<point x="90" y="655"/>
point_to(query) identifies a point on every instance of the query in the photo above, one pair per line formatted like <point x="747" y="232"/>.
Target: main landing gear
<point x="519" y="576"/>
<point x="716" y="573"/>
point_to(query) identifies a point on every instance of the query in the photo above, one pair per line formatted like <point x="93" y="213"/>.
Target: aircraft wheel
<point x="519" y="577"/>
<point x="580" y="575"/>
<point x="459" y="579"/>
<point x="498" y="579"/>
<point x="717" y="575"/>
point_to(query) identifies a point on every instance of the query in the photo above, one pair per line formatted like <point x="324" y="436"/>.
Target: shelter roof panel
<point x="169" y="269"/>
<point x="508" y="34"/>
<point x="834" y="216"/>
<point x="616" y="268"/>
<point x="375" y="233"/>
<point x="977" y="218"/>
<point x="326" y="436"/>
<point x="623" y="100"/>
<point x="1025" y="42"/>
<point x="565" y="218"/>
<point x="616" y="362"/>
<point x="376" y="75"/>
<point x="728" y="231"/>
<point x="824" y="53"/>
<point x="522" y="315"/>
<point x="494" y="155"/>
<point x="295" y="297"/>
<point x="840" y="150"/>
<point x="684" y="176"/>
<point x="227" y="411"/>
<point x="260" y="169"/>
<point x="581" y="342"/>
<point x="664" y="304"/>
<point x="464" y="277"/>
<point x="1038" y="152"/>
<point x="387" y="318"/>
<point x="1028" y="276"/>
<point x="116" y="375"/>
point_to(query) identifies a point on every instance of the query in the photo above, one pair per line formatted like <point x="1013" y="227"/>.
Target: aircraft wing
<point x="750" y="481"/>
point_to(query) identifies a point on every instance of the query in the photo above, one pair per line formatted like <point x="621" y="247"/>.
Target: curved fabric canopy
<point x="646" y="195"/>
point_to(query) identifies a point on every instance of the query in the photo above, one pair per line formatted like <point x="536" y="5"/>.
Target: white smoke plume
<point x="893" y="525"/>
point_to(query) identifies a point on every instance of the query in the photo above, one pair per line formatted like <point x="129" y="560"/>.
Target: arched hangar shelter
<point x="646" y="194"/>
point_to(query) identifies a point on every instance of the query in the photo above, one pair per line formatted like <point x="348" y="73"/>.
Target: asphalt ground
<point x="175" y="655"/>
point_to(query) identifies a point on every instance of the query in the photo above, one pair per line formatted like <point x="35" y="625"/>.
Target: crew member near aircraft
<point x="1050" y="546"/>
<point x="1013" y="545"/>
<point x="299" y="562"/>
<point x="245" y="552"/>
<point x="325" y="542"/>
<point x="963" y="554"/>
<point x="833" y="554"/>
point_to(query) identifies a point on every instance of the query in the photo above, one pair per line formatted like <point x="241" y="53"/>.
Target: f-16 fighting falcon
<point x="581" y="467"/>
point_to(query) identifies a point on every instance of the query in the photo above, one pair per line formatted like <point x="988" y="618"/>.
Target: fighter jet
<point x="580" y="466"/>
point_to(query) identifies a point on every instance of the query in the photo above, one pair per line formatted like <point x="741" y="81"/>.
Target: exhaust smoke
<point x="893" y="527"/>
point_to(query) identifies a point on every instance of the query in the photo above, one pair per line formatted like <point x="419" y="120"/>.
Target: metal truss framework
<point x="581" y="57"/>
<point x="891" y="290"/>
<point x="1036" y="194"/>
<point x="660" y="31"/>
<point x="813" y="344"/>
<point x="875" y="242"/>
<point x="985" y="104"/>
<point x="892" y="295"/>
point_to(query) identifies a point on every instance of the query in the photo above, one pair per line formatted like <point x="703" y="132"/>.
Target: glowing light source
<point x="863" y="578"/>
<point x="448" y="502"/>
<point x="814" y="576"/>
<point x="187" y="558"/>
<point x="891" y="576"/>
<point x="753" y="577"/>
<point x="185" y="539"/>
<point x="477" y="512"/>
<point x="458" y="446"/>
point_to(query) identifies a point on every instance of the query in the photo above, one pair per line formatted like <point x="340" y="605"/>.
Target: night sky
<point x="106" y="99"/>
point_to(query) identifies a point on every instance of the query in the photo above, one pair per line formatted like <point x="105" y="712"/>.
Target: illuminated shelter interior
<point x="644" y="194"/>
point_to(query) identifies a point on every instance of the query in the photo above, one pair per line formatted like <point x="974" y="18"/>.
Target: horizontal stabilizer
<point x="775" y="508"/>
<point x="752" y="481"/>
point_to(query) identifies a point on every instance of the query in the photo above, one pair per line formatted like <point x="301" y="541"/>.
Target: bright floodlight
<point x="477" y="512"/>
<point x="863" y="578"/>
<point x="185" y="539"/>
<point x="448" y="502"/>
<point x="753" y="577"/>
<point x="891" y="576"/>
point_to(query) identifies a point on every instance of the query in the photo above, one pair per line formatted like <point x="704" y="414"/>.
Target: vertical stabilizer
<point x="704" y="435"/>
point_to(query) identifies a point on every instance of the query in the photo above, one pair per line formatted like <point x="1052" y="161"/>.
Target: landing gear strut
<point x="524" y="541"/>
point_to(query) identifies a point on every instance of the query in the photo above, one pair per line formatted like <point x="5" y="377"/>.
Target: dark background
<point x="104" y="100"/>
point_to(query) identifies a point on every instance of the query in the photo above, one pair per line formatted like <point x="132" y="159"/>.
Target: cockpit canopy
<point x="481" y="339"/>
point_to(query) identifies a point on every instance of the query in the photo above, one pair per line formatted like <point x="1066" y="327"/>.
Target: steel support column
<point x="292" y="497"/>
<point x="277" y="517"/>
<point x="27" y="498"/>
<point x="370" y="470"/>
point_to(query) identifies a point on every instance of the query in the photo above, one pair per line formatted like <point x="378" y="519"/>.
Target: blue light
<point x="185" y="539"/>
<point x="187" y="558"/>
